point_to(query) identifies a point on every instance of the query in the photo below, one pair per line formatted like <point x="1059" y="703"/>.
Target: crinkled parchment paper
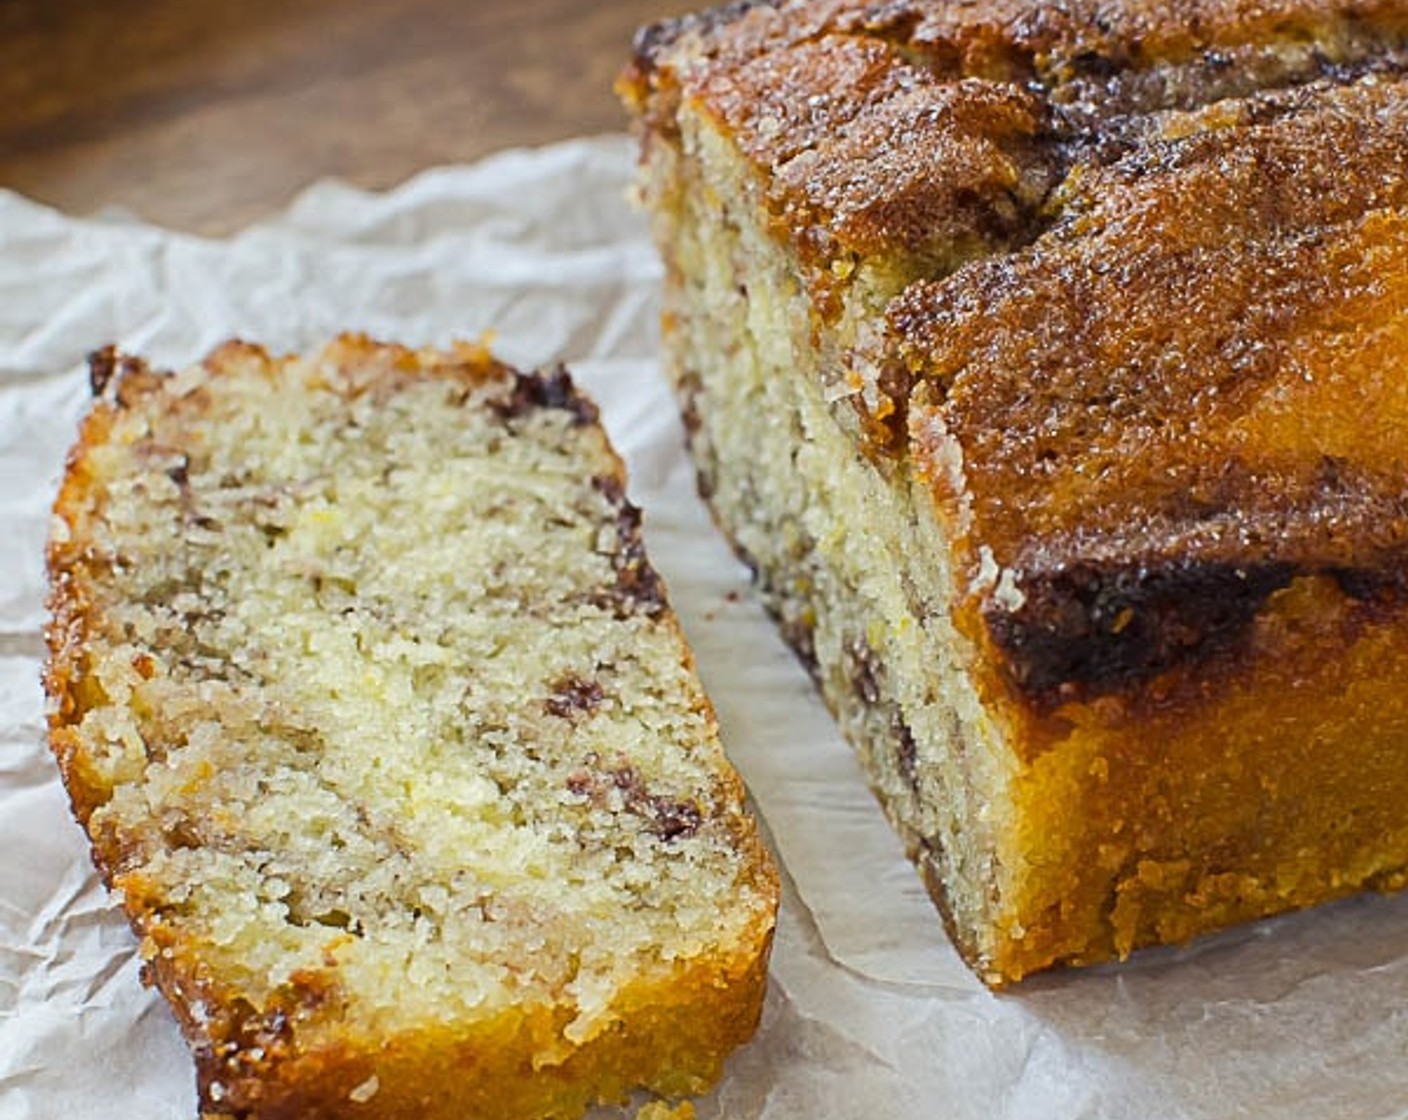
<point x="870" y="1013"/>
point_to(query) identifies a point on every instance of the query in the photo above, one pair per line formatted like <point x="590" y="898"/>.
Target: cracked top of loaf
<point x="902" y="127"/>
<point x="1122" y="284"/>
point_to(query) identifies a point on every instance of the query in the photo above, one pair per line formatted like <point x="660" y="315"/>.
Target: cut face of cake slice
<point x="1046" y="365"/>
<point x="380" y="721"/>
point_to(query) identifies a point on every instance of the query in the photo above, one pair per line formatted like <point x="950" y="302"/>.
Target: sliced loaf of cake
<point x="1045" y="361"/>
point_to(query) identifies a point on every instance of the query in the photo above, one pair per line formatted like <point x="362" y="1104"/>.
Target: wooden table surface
<point x="205" y="114"/>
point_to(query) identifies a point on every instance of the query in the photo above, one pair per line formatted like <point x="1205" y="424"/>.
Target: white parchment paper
<point x="869" y="1013"/>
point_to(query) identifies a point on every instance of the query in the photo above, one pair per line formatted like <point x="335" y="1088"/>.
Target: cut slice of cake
<point x="380" y="722"/>
<point x="1046" y="364"/>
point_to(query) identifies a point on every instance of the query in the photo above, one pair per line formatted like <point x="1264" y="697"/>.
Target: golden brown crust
<point x="939" y="129"/>
<point x="1184" y="394"/>
<point x="859" y="150"/>
<point x="248" y="1062"/>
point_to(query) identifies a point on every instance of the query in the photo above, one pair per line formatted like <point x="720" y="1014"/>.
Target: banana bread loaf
<point x="380" y="721"/>
<point x="1046" y="364"/>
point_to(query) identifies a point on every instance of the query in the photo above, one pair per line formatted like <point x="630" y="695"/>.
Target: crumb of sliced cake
<point x="381" y="723"/>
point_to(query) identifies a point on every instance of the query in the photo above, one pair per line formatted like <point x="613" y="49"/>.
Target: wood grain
<point x="204" y="116"/>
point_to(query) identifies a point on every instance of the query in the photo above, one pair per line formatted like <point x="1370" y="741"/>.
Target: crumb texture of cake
<point x="380" y="721"/>
<point x="1045" y="363"/>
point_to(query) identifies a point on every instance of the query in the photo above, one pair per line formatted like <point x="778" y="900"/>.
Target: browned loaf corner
<point x="1046" y="363"/>
<point x="381" y="723"/>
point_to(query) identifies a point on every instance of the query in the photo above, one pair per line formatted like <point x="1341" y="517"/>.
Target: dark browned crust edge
<point x="547" y="389"/>
<point x="653" y="39"/>
<point x="1087" y="630"/>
